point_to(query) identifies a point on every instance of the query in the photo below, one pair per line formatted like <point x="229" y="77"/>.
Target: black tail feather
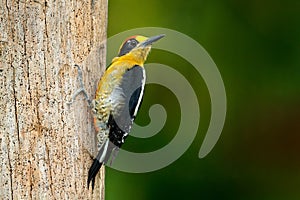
<point x="94" y="169"/>
<point x="101" y="159"/>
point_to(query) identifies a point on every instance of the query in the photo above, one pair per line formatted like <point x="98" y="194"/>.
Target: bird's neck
<point x="136" y="56"/>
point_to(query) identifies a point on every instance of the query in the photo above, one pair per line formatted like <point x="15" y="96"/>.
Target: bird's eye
<point x="133" y="43"/>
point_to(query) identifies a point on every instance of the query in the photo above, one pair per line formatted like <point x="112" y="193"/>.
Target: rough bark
<point x="46" y="145"/>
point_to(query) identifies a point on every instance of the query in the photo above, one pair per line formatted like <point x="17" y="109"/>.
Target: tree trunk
<point x="46" y="146"/>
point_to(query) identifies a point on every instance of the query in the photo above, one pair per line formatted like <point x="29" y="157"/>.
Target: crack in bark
<point x="45" y="48"/>
<point x="24" y="23"/>
<point x="30" y="179"/>
<point x="17" y="128"/>
<point x="10" y="170"/>
<point x="47" y="96"/>
<point x="50" y="172"/>
<point x="16" y="116"/>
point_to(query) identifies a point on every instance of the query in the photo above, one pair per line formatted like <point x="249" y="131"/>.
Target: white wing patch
<point x="142" y="93"/>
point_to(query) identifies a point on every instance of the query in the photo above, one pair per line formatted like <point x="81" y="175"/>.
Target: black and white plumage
<point x="118" y="98"/>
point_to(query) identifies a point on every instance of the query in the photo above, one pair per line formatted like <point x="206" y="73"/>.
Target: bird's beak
<point x="150" y="40"/>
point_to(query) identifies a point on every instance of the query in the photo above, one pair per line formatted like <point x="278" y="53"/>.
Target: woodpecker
<point x="118" y="97"/>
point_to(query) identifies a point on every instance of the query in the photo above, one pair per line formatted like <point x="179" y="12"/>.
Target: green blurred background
<point x="256" y="46"/>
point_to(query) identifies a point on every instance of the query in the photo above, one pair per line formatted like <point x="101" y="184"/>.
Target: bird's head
<point x="137" y="47"/>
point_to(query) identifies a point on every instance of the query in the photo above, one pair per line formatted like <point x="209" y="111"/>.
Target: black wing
<point x="133" y="85"/>
<point x="131" y="89"/>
